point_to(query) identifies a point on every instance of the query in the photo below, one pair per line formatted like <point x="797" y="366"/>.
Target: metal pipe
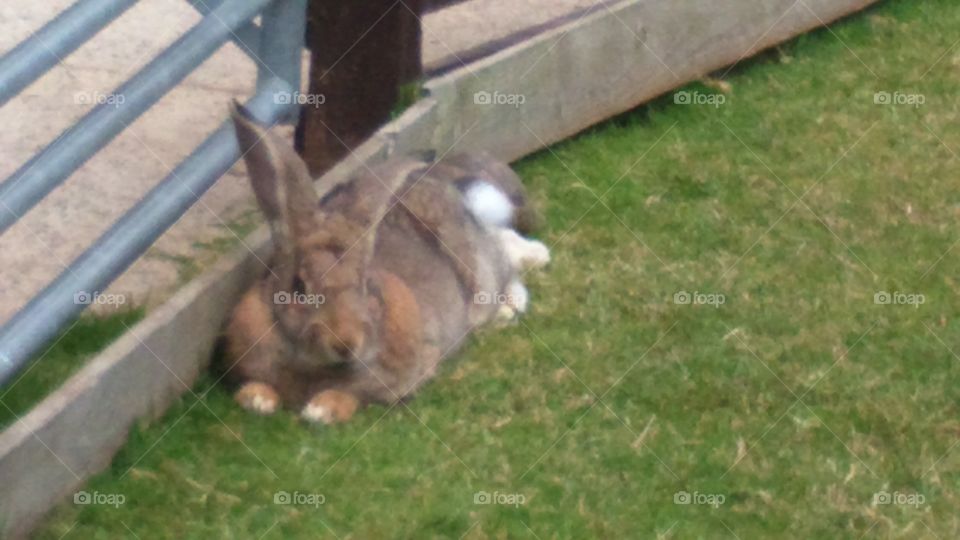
<point x="128" y="238"/>
<point x="49" y="168"/>
<point x="281" y="48"/>
<point x="247" y="37"/>
<point x="47" y="47"/>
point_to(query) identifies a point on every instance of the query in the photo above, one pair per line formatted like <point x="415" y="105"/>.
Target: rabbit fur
<point x="376" y="282"/>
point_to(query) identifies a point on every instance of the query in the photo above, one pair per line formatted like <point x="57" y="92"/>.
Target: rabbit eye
<point x="299" y="286"/>
<point x="336" y="249"/>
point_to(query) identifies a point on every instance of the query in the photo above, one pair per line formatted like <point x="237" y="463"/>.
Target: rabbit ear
<point x="280" y="180"/>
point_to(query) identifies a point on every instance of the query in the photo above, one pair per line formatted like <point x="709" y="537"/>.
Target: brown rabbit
<point x="370" y="287"/>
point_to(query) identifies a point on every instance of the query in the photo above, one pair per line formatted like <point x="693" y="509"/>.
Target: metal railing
<point x="276" y="45"/>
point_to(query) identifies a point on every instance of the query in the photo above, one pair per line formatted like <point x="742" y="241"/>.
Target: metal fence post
<point x="51" y="167"/>
<point x="283" y="25"/>
<point x="278" y="58"/>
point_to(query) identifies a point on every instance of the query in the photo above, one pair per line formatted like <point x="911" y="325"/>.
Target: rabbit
<point x="372" y="284"/>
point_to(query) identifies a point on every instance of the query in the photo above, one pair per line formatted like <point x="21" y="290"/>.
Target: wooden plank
<point x="363" y="53"/>
<point x="571" y="77"/>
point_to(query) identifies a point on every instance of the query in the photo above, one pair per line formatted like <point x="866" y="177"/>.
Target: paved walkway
<point x="44" y="242"/>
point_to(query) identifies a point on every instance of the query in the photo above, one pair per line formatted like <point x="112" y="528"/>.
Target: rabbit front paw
<point x="258" y="397"/>
<point x="330" y="407"/>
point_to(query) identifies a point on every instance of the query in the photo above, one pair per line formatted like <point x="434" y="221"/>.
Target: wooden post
<point x="363" y="52"/>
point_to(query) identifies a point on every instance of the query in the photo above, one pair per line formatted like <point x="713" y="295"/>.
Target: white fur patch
<point x="263" y="405"/>
<point x="317" y="413"/>
<point x="524" y="254"/>
<point x="517" y="301"/>
<point x="488" y="204"/>
<point x="505" y="315"/>
<point x="518" y="296"/>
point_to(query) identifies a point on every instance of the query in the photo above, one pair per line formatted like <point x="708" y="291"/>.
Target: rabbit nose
<point x="348" y="344"/>
<point x="343" y="345"/>
<point x="316" y="334"/>
<point x="341" y="349"/>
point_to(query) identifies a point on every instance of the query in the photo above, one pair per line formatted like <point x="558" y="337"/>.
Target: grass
<point x="85" y="337"/>
<point x="790" y="407"/>
<point x="90" y="334"/>
<point x="207" y="252"/>
<point x="407" y="96"/>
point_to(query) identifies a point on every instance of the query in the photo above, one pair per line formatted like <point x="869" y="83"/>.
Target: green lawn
<point x="783" y="411"/>
<point x="82" y="339"/>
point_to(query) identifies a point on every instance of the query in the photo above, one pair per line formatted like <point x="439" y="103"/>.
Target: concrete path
<point x="48" y="238"/>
